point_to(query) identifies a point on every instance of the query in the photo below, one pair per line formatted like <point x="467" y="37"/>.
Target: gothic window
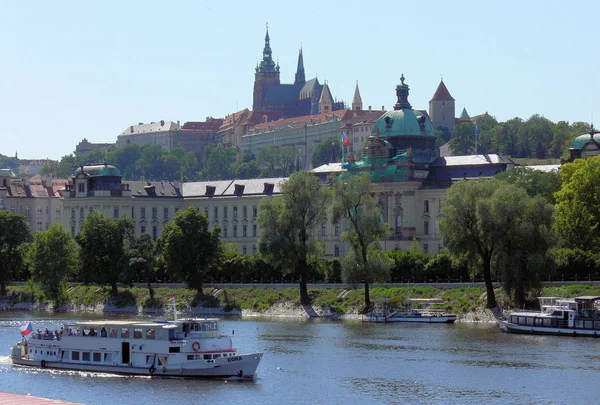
<point x="426" y="227"/>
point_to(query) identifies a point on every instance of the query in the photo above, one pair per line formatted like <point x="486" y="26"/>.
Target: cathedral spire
<point x="267" y="64"/>
<point x="357" y="100"/>
<point x="300" y="77"/>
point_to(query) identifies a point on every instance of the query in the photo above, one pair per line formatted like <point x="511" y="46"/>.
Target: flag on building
<point x="345" y="139"/>
<point x="26" y="329"/>
<point x="476" y="130"/>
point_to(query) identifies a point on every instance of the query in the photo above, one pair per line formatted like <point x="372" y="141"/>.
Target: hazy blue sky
<point x="70" y="70"/>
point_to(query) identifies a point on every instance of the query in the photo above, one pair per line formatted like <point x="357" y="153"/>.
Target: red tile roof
<point x="342" y="114"/>
<point x="442" y="93"/>
<point x="211" y="124"/>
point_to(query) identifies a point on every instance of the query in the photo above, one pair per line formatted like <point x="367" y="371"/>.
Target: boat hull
<point x="238" y="367"/>
<point x="408" y="319"/>
<point x="509" y="327"/>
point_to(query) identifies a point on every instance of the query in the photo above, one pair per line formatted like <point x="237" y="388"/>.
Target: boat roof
<point x="587" y="298"/>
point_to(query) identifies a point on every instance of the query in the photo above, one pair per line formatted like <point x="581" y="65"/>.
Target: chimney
<point x="382" y="108"/>
<point x="131" y="129"/>
<point x="369" y="108"/>
<point x="162" y="123"/>
<point x="177" y="122"/>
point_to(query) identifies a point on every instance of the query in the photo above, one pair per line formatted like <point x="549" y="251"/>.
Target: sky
<point x="80" y="69"/>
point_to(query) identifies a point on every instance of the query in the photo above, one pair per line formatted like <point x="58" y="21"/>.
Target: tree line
<point x="520" y="228"/>
<point x="536" y="137"/>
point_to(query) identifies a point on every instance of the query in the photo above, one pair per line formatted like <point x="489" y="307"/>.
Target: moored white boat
<point x="579" y="316"/>
<point x="189" y="348"/>
<point x="411" y="310"/>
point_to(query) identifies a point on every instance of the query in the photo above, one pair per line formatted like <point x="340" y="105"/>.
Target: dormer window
<point x="239" y="189"/>
<point x="210" y="190"/>
<point x="268" y="188"/>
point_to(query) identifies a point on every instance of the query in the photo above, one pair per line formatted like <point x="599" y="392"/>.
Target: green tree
<point x="286" y="223"/>
<point x="14" y="236"/>
<point x="463" y="139"/>
<point x="523" y="254"/>
<point x="150" y="162"/>
<point x="53" y="258"/>
<point x="352" y="202"/>
<point x="329" y="151"/>
<point x="246" y="167"/>
<point x="577" y="215"/>
<point x="142" y="261"/>
<point x="190" y="250"/>
<point x="103" y="243"/>
<point x="276" y="161"/>
<point x="218" y="163"/>
<point x="534" y="182"/>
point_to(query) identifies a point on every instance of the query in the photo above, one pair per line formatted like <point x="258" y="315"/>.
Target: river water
<point x="325" y="362"/>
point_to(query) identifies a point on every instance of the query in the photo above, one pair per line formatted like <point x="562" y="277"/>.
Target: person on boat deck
<point x="103" y="332"/>
<point x="78" y="333"/>
<point x="92" y="332"/>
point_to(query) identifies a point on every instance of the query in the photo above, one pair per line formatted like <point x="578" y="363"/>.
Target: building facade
<point x="162" y="133"/>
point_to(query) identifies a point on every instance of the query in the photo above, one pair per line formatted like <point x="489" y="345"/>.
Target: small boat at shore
<point x="415" y="310"/>
<point x="579" y="316"/>
<point x="184" y="348"/>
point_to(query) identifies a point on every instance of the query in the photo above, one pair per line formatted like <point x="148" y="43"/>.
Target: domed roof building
<point x="585" y="145"/>
<point x="402" y="145"/>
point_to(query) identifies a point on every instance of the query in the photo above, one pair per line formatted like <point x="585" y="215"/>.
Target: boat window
<point x="529" y="321"/>
<point x="150" y="333"/>
<point x="174" y="349"/>
<point x="547" y="322"/>
<point x="125" y="332"/>
<point x="521" y="320"/>
<point x="85" y="356"/>
<point x="207" y="357"/>
<point x="107" y="357"/>
<point x="162" y="360"/>
<point x="589" y="324"/>
<point x="216" y="356"/>
<point x="538" y="321"/>
<point x="137" y="333"/>
<point x="149" y="359"/>
<point x="112" y="332"/>
<point x="97" y="356"/>
<point x="190" y="357"/>
<point x="557" y="313"/>
<point x="74" y="355"/>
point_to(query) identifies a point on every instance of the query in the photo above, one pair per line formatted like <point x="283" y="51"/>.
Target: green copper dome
<point x="403" y="120"/>
<point x="99" y="170"/>
<point x="581" y="140"/>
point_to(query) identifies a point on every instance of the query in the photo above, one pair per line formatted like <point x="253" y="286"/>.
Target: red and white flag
<point x="26" y="329"/>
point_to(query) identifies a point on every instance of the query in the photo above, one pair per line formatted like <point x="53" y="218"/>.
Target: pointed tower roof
<point x="300" y="77"/>
<point x="464" y="115"/>
<point x="357" y="100"/>
<point x="442" y="93"/>
<point x="326" y="97"/>
<point x="267" y="64"/>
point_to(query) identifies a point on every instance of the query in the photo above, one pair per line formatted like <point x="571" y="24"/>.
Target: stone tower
<point x="326" y="100"/>
<point x="267" y="74"/>
<point x="357" y="101"/>
<point x="442" y="108"/>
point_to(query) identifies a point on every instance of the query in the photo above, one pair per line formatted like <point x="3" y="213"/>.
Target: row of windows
<point x="234" y="212"/>
<point x="225" y="231"/>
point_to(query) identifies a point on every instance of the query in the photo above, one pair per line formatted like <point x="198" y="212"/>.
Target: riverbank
<point x="334" y="303"/>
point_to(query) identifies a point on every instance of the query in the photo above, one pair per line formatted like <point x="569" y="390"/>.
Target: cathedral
<point x="292" y="100"/>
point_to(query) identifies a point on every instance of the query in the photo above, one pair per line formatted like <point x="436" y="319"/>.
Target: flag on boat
<point x="345" y="139"/>
<point x="26" y="329"/>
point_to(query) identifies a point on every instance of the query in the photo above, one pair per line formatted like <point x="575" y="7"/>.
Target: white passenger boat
<point x="579" y="316"/>
<point x="189" y="348"/>
<point x="415" y="310"/>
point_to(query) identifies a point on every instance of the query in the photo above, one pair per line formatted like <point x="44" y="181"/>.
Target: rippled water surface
<point x="321" y="362"/>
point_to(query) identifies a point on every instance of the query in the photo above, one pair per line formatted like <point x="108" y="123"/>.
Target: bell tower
<point x="267" y="74"/>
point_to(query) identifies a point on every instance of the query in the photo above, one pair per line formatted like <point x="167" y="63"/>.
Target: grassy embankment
<point x="458" y="300"/>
